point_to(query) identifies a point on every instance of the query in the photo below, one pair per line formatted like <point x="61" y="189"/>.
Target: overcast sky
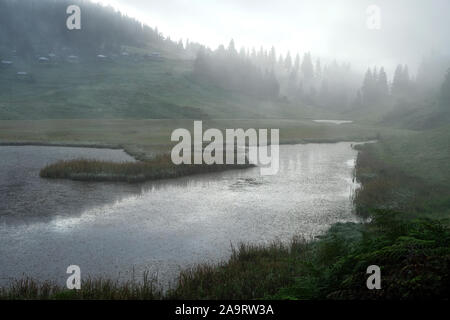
<point x="327" y="28"/>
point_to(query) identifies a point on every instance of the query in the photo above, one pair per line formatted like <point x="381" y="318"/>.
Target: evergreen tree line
<point x="404" y="89"/>
<point x="336" y="86"/>
<point x="38" y="27"/>
<point x="375" y="88"/>
<point x="227" y="68"/>
<point x="307" y="80"/>
<point x="332" y="85"/>
<point x="263" y="72"/>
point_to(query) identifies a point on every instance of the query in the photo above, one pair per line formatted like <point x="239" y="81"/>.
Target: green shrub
<point x="413" y="255"/>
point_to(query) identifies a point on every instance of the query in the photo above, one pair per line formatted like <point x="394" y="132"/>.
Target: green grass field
<point x="144" y="138"/>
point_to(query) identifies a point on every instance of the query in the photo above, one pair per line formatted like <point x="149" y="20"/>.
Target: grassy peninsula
<point x="160" y="167"/>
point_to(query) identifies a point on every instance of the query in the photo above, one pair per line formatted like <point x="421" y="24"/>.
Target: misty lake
<point x="119" y="230"/>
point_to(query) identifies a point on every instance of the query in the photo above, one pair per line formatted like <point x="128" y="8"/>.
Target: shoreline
<point x="157" y="167"/>
<point x="124" y="147"/>
<point x="136" y="155"/>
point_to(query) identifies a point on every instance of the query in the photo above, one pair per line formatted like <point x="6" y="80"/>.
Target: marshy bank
<point x="386" y="186"/>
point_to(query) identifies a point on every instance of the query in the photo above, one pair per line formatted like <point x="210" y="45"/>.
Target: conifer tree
<point x="382" y="84"/>
<point x="445" y="91"/>
<point x="368" y="87"/>
<point x="397" y="81"/>
<point x="318" y="69"/>
<point x="297" y="63"/>
<point x="288" y="62"/>
<point x="307" y="67"/>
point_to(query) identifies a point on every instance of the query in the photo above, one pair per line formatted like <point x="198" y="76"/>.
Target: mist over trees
<point x="233" y="70"/>
<point x="375" y="88"/>
<point x="401" y="84"/>
<point x="445" y="92"/>
<point x="404" y="90"/>
<point x="31" y="28"/>
<point x="431" y="72"/>
<point x="299" y="79"/>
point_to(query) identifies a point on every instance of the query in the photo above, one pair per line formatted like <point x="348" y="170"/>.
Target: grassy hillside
<point x="127" y="87"/>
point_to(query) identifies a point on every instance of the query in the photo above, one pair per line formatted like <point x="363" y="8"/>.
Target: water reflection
<point x="26" y="198"/>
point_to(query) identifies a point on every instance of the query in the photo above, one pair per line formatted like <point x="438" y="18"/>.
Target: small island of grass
<point x="160" y="167"/>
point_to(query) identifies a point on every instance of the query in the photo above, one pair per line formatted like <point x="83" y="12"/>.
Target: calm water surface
<point x="119" y="230"/>
<point x="333" y="121"/>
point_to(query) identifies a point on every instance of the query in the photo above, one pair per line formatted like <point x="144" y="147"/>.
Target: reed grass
<point x="91" y="289"/>
<point x="160" y="167"/>
<point x="252" y="272"/>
